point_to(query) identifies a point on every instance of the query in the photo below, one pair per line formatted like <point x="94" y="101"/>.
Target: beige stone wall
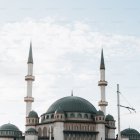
<point x="6" y="138"/>
<point x="31" y="137"/>
<point x="125" y="138"/>
<point x="101" y="129"/>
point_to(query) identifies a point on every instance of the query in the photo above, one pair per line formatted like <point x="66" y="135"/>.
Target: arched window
<point x="66" y="115"/>
<point x="44" y="131"/>
<point x="72" y="115"/>
<point x="79" y="115"/>
<point x="86" y="116"/>
<point x="36" y="121"/>
<point x="51" y="130"/>
<point x="76" y="127"/>
<point x="52" y="116"/>
<point x="32" y="120"/>
<point x="39" y="132"/>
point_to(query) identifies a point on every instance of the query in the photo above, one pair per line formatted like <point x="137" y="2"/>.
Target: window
<point x="32" y="120"/>
<point x="66" y="115"/>
<point x="39" y="132"/>
<point x="79" y="115"/>
<point x="72" y="115"/>
<point x="86" y="116"/>
<point x="52" y="116"/>
<point x="44" y="131"/>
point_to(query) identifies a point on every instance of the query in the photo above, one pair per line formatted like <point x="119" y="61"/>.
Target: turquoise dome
<point x="10" y="130"/>
<point x="33" y="114"/>
<point x="100" y="113"/>
<point x="31" y="131"/>
<point x="109" y="118"/>
<point x="72" y="104"/>
<point x="132" y="134"/>
<point x="9" y="127"/>
<point x="129" y="131"/>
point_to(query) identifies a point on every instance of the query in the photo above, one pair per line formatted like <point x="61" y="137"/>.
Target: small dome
<point x="109" y="118"/>
<point x="72" y="104"/>
<point x="31" y="131"/>
<point x="129" y="131"/>
<point x="10" y="130"/>
<point x="100" y="113"/>
<point x="33" y="114"/>
<point x="9" y="127"/>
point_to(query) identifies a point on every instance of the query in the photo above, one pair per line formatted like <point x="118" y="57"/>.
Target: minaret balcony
<point x="28" y="99"/>
<point x="102" y="103"/>
<point x="102" y="83"/>
<point x="29" y="77"/>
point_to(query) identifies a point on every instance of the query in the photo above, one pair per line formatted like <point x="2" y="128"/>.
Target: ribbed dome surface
<point x="129" y="131"/>
<point x="33" y="114"/>
<point x="100" y="113"/>
<point x="9" y="127"/>
<point x="72" y="104"/>
<point x="109" y="118"/>
<point x="31" y="130"/>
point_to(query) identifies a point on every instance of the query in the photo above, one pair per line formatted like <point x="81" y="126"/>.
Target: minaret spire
<point x="71" y="92"/>
<point x="29" y="78"/>
<point x="102" y="83"/>
<point x="102" y="65"/>
<point x="30" y="57"/>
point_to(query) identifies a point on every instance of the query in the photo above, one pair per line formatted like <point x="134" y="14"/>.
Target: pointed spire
<point x="30" y="57"/>
<point x="72" y="93"/>
<point x="102" y="65"/>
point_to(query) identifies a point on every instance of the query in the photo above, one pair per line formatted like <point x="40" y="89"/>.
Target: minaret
<point x="29" y="78"/>
<point x="102" y="83"/>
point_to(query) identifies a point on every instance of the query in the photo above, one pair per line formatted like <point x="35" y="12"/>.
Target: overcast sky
<point x="67" y="38"/>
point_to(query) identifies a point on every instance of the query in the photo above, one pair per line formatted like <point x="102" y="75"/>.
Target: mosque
<point x="68" y="118"/>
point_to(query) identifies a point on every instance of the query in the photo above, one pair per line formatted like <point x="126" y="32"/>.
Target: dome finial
<point x="71" y="92"/>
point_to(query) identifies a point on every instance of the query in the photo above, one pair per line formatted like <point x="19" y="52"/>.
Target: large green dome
<point x="72" y="104"/>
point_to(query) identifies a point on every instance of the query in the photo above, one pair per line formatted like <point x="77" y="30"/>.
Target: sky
<point x="67" y="37"/>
